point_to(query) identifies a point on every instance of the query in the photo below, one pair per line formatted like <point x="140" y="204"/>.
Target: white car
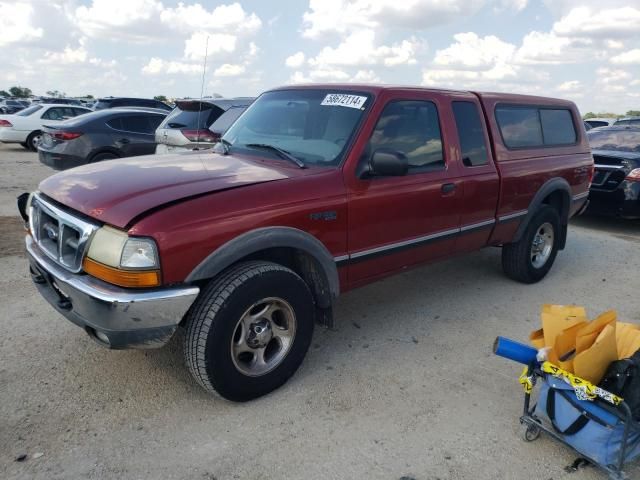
<point x="25" y="127"/>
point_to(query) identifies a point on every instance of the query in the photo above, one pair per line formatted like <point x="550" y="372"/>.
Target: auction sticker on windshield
<point x="344" y="100"/>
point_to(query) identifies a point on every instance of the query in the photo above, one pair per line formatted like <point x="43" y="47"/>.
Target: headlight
<point x="116" y="258"/>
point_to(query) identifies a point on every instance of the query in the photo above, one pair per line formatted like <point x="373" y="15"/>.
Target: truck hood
<point x="117" y="191"/>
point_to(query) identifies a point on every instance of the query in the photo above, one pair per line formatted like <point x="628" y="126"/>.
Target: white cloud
<point x="516" y="5"/>
<point x="158" y="66"/>
<point x="16" y="23"/>
<point x="488" y="63"/>
<point x="295" y="61"/>
<point x="627" y="58"/>
<point x="67" y="56"/>
<point x="229" y="70"/>
<point x="366" y="76"/>
<point x="470" y="50"/>
<point x="359" y="49"/>
<point x="550" y="48"/>
<point x="223" y="18"/>
<point x="335" y="75"/>
<point x="570" y="86"/>
<point x="134" y="20"/>
<point x="343" y="16"/>
<point x="472" y="59"/>
<point x="194" y="47"/>
<point x="604" y="23"/>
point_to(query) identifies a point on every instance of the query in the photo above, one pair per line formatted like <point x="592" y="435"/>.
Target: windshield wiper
<point x="280" y="152"/>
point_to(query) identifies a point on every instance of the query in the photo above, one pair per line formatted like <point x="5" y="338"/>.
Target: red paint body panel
<point x="192" y="204"/>
<point x="117" y="191"/>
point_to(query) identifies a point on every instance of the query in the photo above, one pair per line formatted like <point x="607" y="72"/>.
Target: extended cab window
<point x="411" y="128"/>
<point x="535" y="126"/>
<point x="470" y="133"/>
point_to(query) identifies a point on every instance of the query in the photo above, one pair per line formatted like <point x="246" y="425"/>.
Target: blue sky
<point x="587" y="51"/>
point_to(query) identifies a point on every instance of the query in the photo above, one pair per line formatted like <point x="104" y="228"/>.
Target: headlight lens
<point x="139" y="253"/>
<point x="116" y="258"/>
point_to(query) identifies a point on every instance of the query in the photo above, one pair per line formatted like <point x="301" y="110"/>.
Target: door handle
<point x="448" y="188"/>
<point x="124" y="141"/>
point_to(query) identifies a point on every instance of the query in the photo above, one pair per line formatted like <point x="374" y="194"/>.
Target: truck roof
<point x="378" y="88"/>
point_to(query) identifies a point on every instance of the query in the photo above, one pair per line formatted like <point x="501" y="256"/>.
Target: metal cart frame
<point x="534" y="427"/>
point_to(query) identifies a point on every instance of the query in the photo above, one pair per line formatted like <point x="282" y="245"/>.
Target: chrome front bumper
<point x="128" y="318"/>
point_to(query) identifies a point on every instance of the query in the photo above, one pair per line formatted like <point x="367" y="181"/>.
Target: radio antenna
<point x="204" y="71"/>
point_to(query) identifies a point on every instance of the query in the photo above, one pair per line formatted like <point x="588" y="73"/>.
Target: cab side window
<point x="413" y="129"/>
<point x="473" y="149"/>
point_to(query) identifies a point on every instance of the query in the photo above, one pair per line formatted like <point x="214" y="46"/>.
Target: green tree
<point x="4" y="93"/>
<point x="56" y="94"/>
<point x="633" y="113"/>
<point x="589" y="115"/>
<point x="160" y="98"/>
<point x="90" y="97"/>
<point x="21" y="92"/>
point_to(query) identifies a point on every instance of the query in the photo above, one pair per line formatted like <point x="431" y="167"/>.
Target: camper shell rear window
<point x="531" y="126"/>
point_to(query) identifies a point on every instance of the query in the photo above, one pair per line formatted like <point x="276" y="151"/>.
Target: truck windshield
<point x="615" y="139"/>
<point x="314" y="126"/>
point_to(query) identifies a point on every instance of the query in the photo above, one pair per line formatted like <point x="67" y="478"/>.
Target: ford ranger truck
<point x="314" y="190"/>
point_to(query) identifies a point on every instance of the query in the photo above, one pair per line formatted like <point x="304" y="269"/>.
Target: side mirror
<point x="388" y="163"/>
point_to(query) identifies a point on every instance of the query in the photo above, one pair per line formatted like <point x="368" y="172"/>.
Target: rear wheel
<point x="33" y="140"/>
<point x="25" y="145"/>
<point x="103" y="156"/>
<point x="529" y="259"/>
<point x="249" y="330"/>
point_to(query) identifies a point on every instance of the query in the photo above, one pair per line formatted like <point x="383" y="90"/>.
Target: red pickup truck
<point x="315" y="190"/>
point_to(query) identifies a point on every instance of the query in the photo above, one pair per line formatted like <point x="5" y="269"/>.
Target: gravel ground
<point x="405" y="386"/>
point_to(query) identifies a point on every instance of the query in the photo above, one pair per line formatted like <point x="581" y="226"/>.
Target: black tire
<point x="103" y="156"/>
<point x="25" y="145"/>
<point x="212" y="321"/>
<point x="517" y="261"/>
<point x="32" y="143"/>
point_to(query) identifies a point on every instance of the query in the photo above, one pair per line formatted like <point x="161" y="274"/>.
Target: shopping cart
<point x="604" y="402"/>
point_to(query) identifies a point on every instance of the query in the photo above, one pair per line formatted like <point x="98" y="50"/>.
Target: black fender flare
<point x="265" y="238"/>
<point x="549" y="187"/>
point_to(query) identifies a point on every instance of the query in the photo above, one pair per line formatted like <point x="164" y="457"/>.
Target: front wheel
<point x="249" y="330"/>
<point x="529" y="259"/>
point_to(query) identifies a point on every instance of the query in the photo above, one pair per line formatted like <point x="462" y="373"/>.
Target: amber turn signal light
<point x="122" y="278"/>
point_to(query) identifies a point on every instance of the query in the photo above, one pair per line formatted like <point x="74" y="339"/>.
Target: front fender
<point x="265" y="238"/>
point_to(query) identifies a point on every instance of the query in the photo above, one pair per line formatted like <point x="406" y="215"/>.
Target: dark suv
<point x="113" y="102"/>
<point x="102" y="135"/>
<point x="11" y="106"/>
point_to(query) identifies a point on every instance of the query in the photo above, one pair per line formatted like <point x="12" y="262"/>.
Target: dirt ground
<point x="406" y="386"/>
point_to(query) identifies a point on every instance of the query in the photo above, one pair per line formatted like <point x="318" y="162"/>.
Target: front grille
<point x="61" y="236"/>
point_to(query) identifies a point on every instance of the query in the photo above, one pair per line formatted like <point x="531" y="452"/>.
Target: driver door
<point x="396" y="222"/>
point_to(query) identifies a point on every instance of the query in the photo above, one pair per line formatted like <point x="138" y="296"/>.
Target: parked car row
<point x="127" y="127"/>
<point x="609" y="122"/>
<point x="25" y="127"/>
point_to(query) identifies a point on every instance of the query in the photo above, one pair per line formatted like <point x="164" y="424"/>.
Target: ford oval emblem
<point x="52" y="232"/>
